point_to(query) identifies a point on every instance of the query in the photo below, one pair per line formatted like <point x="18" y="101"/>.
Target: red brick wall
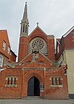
<point x="65" y="43"/>
<point x="10" y="92"/>
<point x="51" y="48"/>
<point x="22" y="83"/>
<point x="23" y="48"/>
<point x="56" y="92"/>
<point x="69" y="41"/>
<point x="4" y="37"/>
<point x="6" y="56"/>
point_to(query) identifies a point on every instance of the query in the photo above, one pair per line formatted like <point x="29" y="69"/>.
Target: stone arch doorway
<point x="33" y="87"/>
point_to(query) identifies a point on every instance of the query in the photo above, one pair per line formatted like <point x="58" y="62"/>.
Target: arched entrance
<point x="33" y="87"/>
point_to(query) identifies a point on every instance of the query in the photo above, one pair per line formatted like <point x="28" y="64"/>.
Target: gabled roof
<point x="36" y="29"/>
<point x="4" y="36"/>
<point x="23" y="59"/>
<point x="46" y="58"/>
<point x="30" y="54"/>
<point x="71" y="29"/>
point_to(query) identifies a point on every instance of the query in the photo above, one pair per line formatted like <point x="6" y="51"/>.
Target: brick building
<point x="36" y="73"/>
<point x="65" y="56"/>
<point x="6" y="54"/>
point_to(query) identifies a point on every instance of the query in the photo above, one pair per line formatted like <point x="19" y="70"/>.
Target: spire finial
<point x="37" y="24"/>
<point x="25" y="3"/>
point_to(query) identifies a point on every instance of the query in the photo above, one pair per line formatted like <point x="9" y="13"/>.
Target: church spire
<point x="24" y="23"/>
<point x="25" y="12"/>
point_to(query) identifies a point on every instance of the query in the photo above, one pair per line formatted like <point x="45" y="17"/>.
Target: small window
<point x="11" y="81"/>
<point x="8" y="50"/>
<point x="59" y="81"/>
<point x="4" y="45"/>
<point x="41" y="88"/>
<point x="8" y="80"/>
<point x="56" y="81"/>
<point x="15" y="81"/>
<point x="1" y="61"/>
<point x="52" y="80"/>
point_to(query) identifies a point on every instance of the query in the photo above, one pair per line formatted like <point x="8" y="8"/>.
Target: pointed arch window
<point x="26" y="29"/>
<point x="23" y="28"/>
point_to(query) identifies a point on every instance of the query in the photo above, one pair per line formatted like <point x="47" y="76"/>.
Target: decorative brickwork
<point x="36" y="73"/>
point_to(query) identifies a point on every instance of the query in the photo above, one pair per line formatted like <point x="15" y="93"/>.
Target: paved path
<point x="35" y="101"/>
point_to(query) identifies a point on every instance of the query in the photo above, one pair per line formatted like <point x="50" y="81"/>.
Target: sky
<point x="55" y="17"/>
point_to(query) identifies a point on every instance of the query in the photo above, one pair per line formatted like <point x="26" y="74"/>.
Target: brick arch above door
<point x="34" y="74"/>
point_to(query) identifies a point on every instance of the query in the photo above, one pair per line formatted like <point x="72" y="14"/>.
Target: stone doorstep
<point x="33" y="98"/>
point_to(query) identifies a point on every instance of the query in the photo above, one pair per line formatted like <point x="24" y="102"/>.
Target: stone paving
<point x="35" y="101"/>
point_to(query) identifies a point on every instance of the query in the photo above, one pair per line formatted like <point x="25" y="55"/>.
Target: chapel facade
<point x="36" y="73"/>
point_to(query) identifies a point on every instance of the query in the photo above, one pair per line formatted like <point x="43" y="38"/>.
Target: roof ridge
<point x="46" y="58"/>
<point x="68" y="31"/>
<point x="23" y="58"/>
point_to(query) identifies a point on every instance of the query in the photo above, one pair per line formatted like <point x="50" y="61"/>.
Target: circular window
<point x="38" y="43"/>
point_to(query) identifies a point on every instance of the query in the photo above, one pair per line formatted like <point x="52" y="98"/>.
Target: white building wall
<point x="69" y="60"/>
